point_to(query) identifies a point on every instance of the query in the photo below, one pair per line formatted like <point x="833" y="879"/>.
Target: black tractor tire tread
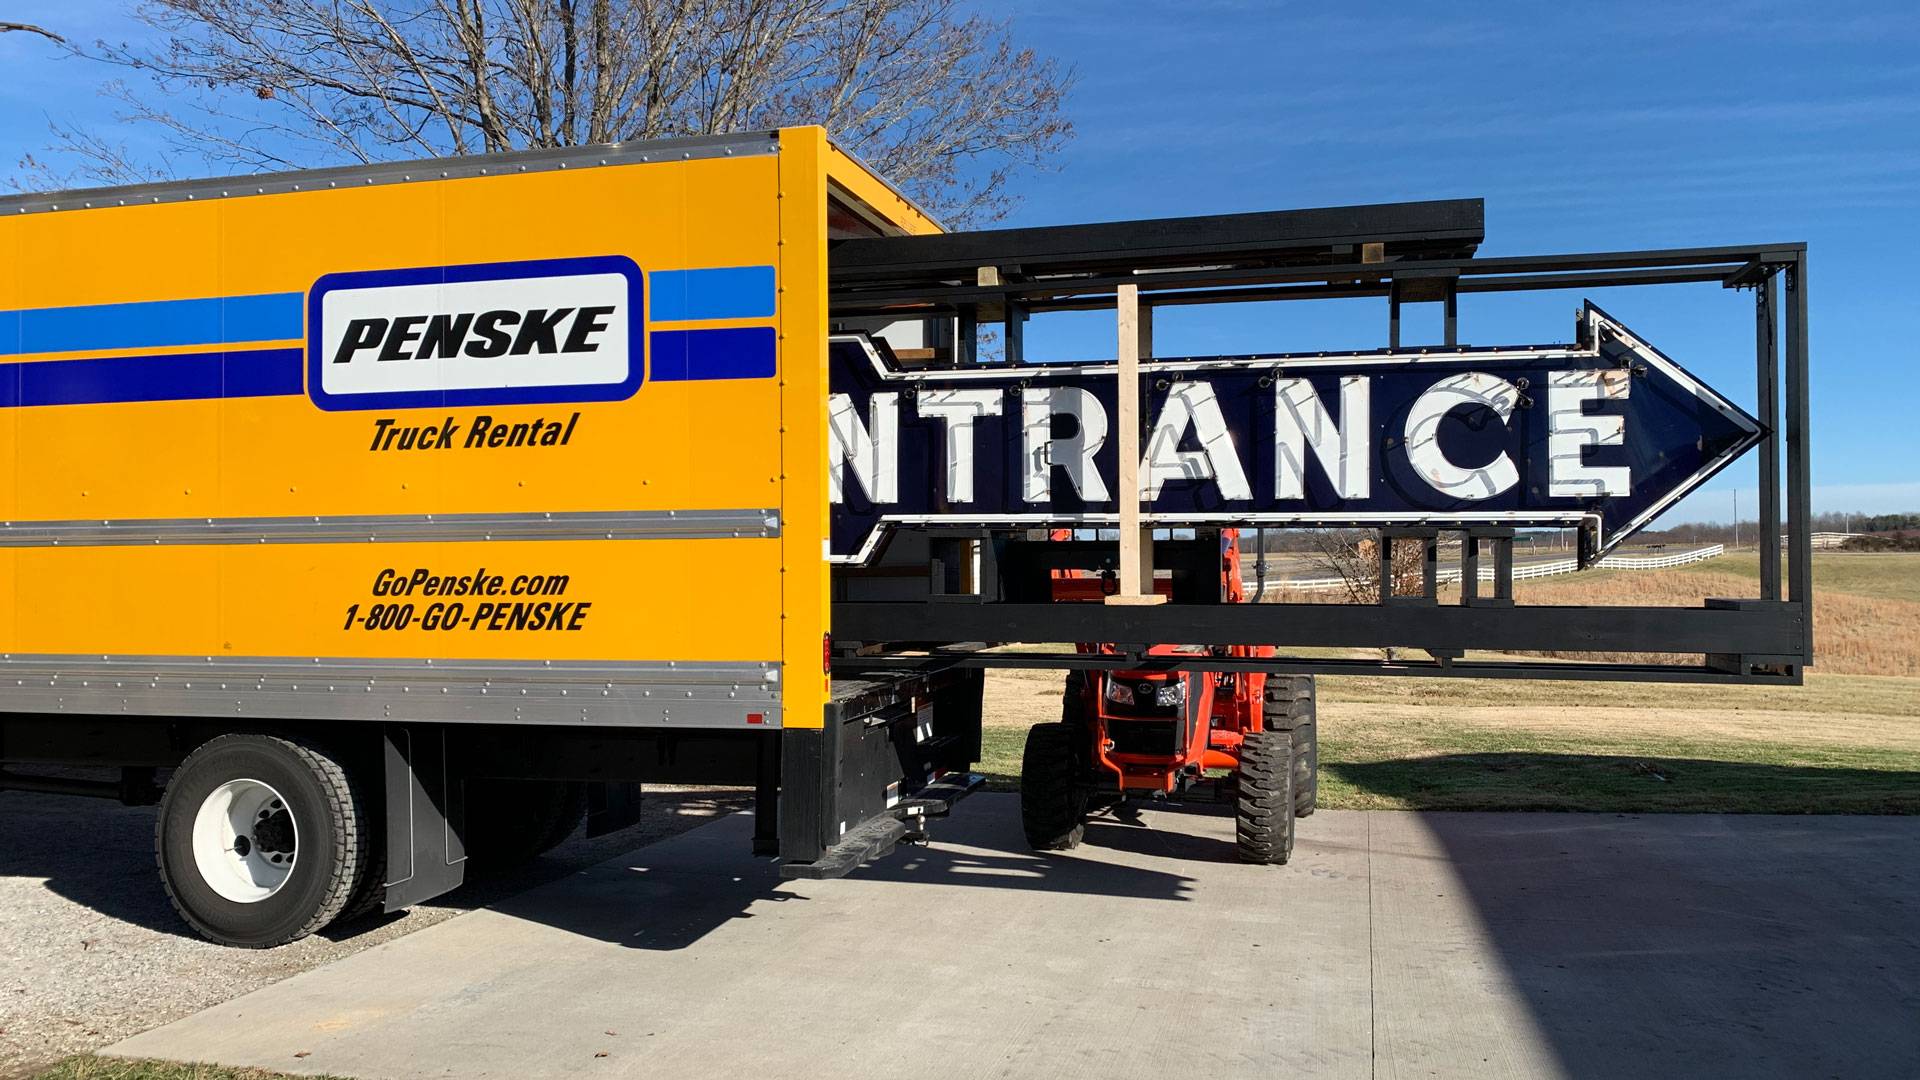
<point x="352" y="832"/>
<point x="1073" y="703"/>
<point x="1306" y="768"/>
<point x="1292" y="706"/>
<point x="1053" y="794"/>
<point x="1263" y="812"/>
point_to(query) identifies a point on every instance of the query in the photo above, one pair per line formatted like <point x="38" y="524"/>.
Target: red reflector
<point x="756" y="718"/>
<point x="826" y="654"/>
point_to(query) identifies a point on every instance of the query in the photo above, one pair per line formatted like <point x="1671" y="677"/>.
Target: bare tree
<point x="1354" y="556"/>
<point x="942" y="102"/>
<point x="29" y="28"/>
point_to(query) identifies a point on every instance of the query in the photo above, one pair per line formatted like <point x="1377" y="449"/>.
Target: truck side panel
<point x="198" y="522"/>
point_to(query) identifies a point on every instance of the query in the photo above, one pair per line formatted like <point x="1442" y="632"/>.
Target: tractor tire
<point x="1263" y="820"/>
<point x="1073" y="699"/>
<point x="1291" y="706"/>
<point x="263" y="840"/>
<point x="1306" y="768"/>
<point x="510" y="822"/>
<point x="1053" y="788"/>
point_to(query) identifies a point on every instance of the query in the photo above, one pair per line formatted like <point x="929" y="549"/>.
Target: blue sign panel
<point x="1603" y="434"/>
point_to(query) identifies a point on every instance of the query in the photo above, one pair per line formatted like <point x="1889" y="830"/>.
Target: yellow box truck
<point x="507" y="441"/>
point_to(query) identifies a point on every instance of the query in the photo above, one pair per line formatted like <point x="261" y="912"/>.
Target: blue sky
<point x="1585" y="127"/>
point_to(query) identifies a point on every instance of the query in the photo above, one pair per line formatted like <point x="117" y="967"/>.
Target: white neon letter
<point x="1569" y="428"/>
<point x="872" y="447"/>
<point x="1041" y="451"/>
<point x="959" y="408"/>
<point x="1423" y="435"/>
<point x="1192" y="404"/>
<point x="1301" y="421"/>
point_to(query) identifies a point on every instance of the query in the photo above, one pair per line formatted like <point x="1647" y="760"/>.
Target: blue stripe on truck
<point x="180" y="377"/>
<point x="153" y="324"/>
<point x="722" y="292"/>
<point x="677" y="356"/>
<point x="746" y="352"/>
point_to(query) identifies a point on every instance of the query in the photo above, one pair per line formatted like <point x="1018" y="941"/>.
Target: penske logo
<point x="555" y="330"/>
<point x="482" y="335"/>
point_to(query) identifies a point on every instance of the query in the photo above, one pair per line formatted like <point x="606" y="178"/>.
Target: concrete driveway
<point x="1397" y="944"/>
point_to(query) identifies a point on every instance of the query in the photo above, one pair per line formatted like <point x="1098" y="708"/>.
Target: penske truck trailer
<point x="381" y="520"/>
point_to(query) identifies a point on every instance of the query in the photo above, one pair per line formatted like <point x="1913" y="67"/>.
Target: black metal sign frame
<point x="1407" y="253"/>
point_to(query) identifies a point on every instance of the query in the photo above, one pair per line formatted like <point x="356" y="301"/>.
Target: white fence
<point x="1528" y="570"/>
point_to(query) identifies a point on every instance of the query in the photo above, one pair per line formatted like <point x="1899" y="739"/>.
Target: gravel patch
<point x="91" y="952"/>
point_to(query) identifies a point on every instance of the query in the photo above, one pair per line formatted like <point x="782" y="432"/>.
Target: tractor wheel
<point x="263" y="840"/>
<point x="1073" y="706"/>
<point x="1263" y="825"/>
<point x="1291" y="707"/>
<point x="1053" y="789"/>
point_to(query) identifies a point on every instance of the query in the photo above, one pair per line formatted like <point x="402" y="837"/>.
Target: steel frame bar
<point x="1766" y="304"/>
<point x="1762" y="630"/>
<point x="1426" y="669"/>
<point x="1799" y="469"/>
<point x="1509" y="273"/>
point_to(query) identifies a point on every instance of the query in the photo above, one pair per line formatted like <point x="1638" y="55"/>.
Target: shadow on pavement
<point x="99" y="854"/>
<point x="1664" y="944"/>
<point x="670" y="896"/>
<point x="1622" y="783"/>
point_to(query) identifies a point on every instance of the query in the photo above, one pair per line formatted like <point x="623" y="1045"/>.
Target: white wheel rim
<point x="245" y="841"/>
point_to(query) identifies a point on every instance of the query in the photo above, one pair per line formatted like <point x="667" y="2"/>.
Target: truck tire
<point x="371" y="896"/>
<point x="512" y="821"/>
<point x="1053" y="790"/>
<point x="1263" y="819"/>
<point x="1292" y="706"/>
<point x="261" y="840"/>
<point x="572" y="809"/>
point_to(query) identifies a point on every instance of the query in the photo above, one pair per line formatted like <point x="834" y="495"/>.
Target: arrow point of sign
<point x="1722" y="431"/>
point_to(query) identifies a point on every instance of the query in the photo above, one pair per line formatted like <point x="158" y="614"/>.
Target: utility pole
<point x="1736" y="517"/>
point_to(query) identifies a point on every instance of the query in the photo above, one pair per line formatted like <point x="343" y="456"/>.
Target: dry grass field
<point x="1866" y="608"/>
<point x="1846" y="742"/>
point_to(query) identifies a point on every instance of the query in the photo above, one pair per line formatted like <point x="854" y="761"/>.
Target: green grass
<point x="1838" y="745"/>
<point x="1890" y="575"/>
<point x="1448" y="767"/>
<point x="88" y="1067"/>
<point x="1820" y="696"/>
<point x="1453" y="769"/>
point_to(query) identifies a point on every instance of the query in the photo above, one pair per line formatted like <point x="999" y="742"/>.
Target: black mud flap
<point x="425" y="855"/>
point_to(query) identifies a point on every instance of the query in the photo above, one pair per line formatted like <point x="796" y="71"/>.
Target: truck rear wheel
<point x="261" y="840"/>
<point x="1053" y="789"/>
<point x="512" y="821"/>
<point x="1263" y="819"/>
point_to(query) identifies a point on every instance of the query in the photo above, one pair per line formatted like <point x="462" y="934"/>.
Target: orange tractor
<point x="1172" y="727"/>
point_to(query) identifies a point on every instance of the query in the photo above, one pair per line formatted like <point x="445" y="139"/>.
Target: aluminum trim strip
<point x="399" y="172"/>
<point x="399" y="528"/>
<point x="663" y="693"/>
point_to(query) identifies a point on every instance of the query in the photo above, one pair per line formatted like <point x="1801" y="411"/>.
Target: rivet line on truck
<point x="371" y="544"/>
